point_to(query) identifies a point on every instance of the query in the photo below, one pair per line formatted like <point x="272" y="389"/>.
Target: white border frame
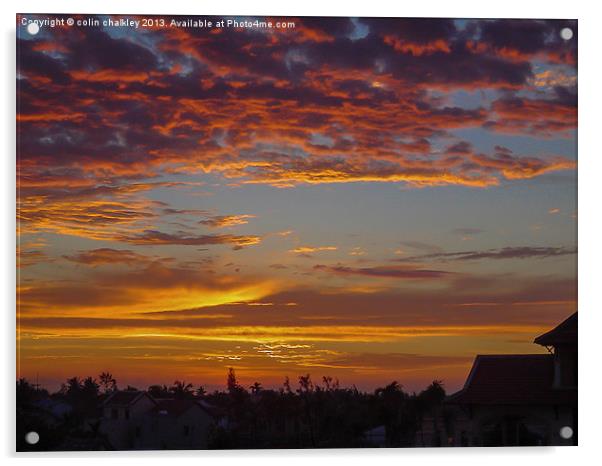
<point x="590" y="168"/>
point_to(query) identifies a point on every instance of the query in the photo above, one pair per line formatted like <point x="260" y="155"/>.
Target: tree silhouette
<point x="231" y="381"/>
<point x="311" y="415"/>
<point x="181" y="390"/>
<point x="72" y="387"/>
<point x="428" y="403"/>
<point x="330" y="383"/>
<point x="159" y="391"/>
<point x="305" y="384"/>
<point x="255" y="388"/>
<point x="286" y="386"/>
<point x="434" y="394"/>
<point x="391" y="391"/>
<point x="305" y="390"/>
<point x="27" y="392"/>
<point x="107" y="382"/>
<point x="392" y="406"/>
<point x="90" y="387"/>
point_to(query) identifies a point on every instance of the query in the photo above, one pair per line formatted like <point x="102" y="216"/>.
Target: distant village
<point x="507" y="400"/>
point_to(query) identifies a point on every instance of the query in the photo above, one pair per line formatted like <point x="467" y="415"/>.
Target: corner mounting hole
<point x="566" y="33"/>
<point x="32" y="437"/>
<point x="33" y="28"/>
<point x="566" y="432"/>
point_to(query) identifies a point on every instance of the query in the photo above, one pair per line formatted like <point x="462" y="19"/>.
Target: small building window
<point x="127" y="413"/>
<point x="114" y="413"/>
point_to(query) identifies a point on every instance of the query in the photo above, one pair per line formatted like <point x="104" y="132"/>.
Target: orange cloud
<point x="153" y="238"/>
<point x="311" y="249"/>
<point x="403" y="272"/>
<point x="188" y="330"/>
<point x="103" y="256"/>
<point x="153" y="286"/>
<point x="417" y="49"/>
<point x="223" y="221"/>
<point x="252" y="106"/>
<point x="541" y="117"/>
<point x="27" y="258"/>
<point x="95" y="219"/>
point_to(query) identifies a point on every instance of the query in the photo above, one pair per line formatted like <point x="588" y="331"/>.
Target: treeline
<point x="304" y="414"/>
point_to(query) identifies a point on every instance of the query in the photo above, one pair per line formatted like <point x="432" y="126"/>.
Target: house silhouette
<point x="135" y="420"/>
<point x="520" y="399"/>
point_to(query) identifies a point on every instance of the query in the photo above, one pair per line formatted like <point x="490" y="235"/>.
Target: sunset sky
<point x="371" y="199"/>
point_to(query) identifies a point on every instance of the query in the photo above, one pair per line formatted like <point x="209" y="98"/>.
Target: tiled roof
<point x="513" y="380"/>
<point x="565" y="332"/>
<point x="124" y="398"/>
<point x="174" y="408"/>
<point x="211" y="409"/>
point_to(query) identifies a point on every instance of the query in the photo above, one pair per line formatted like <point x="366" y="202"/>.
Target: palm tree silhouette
<point x="181" y="389"/>
<point x="255" y="388"/>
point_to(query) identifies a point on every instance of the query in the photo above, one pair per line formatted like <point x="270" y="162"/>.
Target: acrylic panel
<point x="295" y="232"/>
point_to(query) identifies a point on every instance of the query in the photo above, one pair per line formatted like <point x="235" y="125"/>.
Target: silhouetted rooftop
<point x="124" y="398"/>
<point x="513" y="379"/>
<point x="565" y="332"/>
<point x="174" y="408"/>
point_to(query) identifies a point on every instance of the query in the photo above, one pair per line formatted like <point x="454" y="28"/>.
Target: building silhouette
<point x="136" y="420"/>
<point x="520" y="399"/>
